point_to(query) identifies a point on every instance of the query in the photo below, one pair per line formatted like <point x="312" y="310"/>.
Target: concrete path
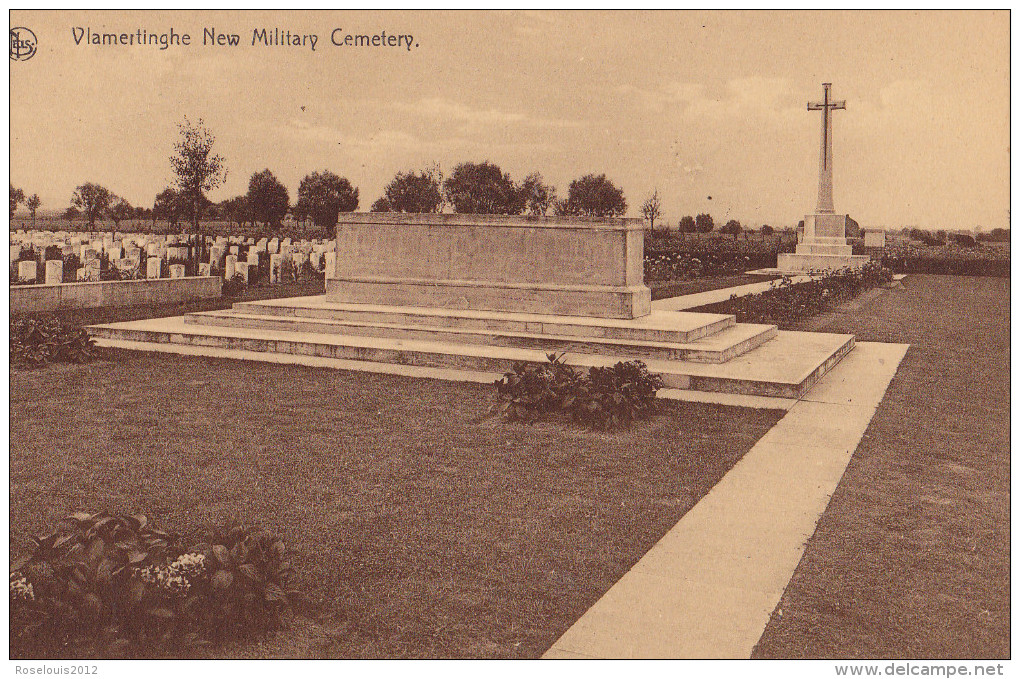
<point x="708" y="588"/>
<point x="714" y="296"/>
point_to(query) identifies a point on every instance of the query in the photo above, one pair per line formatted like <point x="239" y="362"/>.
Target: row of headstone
<point x="146" y="254"/>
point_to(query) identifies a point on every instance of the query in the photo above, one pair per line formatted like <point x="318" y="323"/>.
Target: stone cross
<point x="825" y="157"/>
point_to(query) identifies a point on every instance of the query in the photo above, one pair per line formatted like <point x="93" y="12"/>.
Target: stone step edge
<point x="447" y="374"/>
<point x="313" y="307"/>
<point x="495" y="358"/>
<point x="750" y="332"/>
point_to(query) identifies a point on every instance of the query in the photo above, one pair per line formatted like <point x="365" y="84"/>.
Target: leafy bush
<point x="37" y="341"/>
<point x="234" y="286"/>
<point x="604" y="397"/>
<point x="788" y="301"/>
<point x="71" y="265"/>
<point x="308" y="271"/>
<point x="678" y="266"/>
<point x="105" y="585"/>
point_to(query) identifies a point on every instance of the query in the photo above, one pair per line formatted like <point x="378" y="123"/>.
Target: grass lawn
<point x="421" y="527"/>
<point x="665" y="289"/>
<point x="911" y="558"/>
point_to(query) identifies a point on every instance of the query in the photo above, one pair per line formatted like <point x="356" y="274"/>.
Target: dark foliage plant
<point x="35" y="341"/>
<point x="603" y="398"/>
<point x="788" y="301"/>
<point x="112" y="586"/>
<point x="234" y="286"/>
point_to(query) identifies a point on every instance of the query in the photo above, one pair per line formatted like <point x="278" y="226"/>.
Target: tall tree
<point x="593" y="196"/>
<point x="704" y="223"/>
<point x="414" y="192"/>
<point x="267" y="198"/>
<point x="482" y="188"/>
<point x="652" y="209"/>
<point x="731" y="227"/>
<point x="93" y="200"/>
<point x="167" y="206"/>
<point x="17" y="197"/>
<point x="119" y="211"/>
<point x="535" y="195"/>
<point x="235" y="210"/>
<point x="198" y="171"/>
<point x="323" y="196"/>
<point x="33" y="203"/>
<point x="381" y="205"/>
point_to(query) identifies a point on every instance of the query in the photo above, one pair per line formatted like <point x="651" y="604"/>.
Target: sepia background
<point x="707" y="108"/>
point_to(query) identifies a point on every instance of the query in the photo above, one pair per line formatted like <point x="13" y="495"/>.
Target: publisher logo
<point x="23" y="44"/>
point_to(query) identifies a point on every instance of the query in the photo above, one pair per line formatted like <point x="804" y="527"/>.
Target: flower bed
<point x="949" y="259"/>
<point x="679" y="266"/>
<point x="788" y="302"/>
<point x="37" y="341"/>
<point x="104" y="586"/>
<point x="604" y="397"/>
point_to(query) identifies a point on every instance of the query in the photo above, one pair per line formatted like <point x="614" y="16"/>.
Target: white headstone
<point x="330" y="264"/>
<point x="177" y="271"/>
<point x="152" y="266"/>
<point x="874" y="239"/>
<point x="54" y="272"/>
<point x="204" y="269"/>
<point x="229" y="266"/>
<point x="27" y="271"/>
<point x="273" y="246"/>
<point x="253" y="256"/>
<point x="15" y="252"/>
<point x="92" y="270"/>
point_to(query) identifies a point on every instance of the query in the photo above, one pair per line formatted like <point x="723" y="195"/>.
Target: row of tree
<point x="484" y="188"/>
<point x="31" y="202"/>
<point x="472" y="188"/>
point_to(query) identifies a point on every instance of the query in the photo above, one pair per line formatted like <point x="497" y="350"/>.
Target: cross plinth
<point x="823" y="246"/>
<point x="825" y="155"/>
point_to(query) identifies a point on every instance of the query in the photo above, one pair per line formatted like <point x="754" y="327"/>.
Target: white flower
<point x="21" y="589"/>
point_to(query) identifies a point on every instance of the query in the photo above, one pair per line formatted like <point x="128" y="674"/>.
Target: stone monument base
<point x="824" y="247"/>
<point x="803" y="263"/>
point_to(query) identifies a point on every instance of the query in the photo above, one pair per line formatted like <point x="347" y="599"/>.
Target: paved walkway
<point x="708" y="588"/>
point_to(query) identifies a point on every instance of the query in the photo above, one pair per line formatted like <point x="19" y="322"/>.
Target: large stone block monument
<point x="550" y="265"/>
<point x="824" y="246"/>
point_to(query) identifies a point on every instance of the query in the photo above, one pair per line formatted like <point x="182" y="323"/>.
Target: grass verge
<point x="911" y="558"/>
<point x="420" y="527"/>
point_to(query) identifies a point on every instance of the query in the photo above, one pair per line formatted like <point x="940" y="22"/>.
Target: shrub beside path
<point x="708" y="587"/>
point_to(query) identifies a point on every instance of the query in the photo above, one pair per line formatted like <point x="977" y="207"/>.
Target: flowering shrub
<point x="703" y="257"/>
<point x="604" y="397"/>
<point x="234" y="286"/>
<point x="37" y="341"/>
<point x="947" y="259"/>
<point x="788" y="302"/>
<point x="107" y="585"/>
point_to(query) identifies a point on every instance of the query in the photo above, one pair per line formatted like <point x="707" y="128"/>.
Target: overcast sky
<point x="709" y="108"/>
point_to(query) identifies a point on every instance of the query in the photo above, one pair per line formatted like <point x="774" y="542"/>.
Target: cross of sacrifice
<point x="825" y="159"/>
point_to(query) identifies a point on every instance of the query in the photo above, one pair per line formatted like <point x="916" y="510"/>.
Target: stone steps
<point x="658" y="326"/>
<point x="786" y="367"/>
<point x="718" y="347"/>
